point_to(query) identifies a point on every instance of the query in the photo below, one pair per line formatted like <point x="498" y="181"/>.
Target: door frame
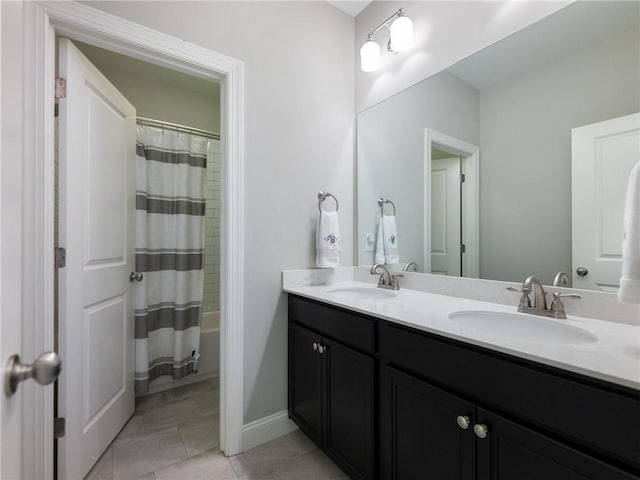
<point x="470" y="156"/>
<point x="43" y="21"/>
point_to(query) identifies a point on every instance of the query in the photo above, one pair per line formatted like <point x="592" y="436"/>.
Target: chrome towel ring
<point x="322" y="196"/>
<point x="381" y="203"/>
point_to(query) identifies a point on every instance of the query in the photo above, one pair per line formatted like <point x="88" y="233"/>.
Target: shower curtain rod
<point x="174" y="126"/>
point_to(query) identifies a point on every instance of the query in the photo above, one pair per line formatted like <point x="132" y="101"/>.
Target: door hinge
<point x="463" y="248"/>
<point x="462" y="178"/>
<point x="61" y="88"/>
<point x="60" y="257"/>
<point x="59" y="427"/>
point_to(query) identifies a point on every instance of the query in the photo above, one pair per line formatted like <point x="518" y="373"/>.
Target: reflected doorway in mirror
<point x="454" y="183"/>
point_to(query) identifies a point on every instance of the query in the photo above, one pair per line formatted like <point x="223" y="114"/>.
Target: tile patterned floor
<point x="175" y="435"/>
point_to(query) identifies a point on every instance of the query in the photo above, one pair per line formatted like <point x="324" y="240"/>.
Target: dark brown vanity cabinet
<point x="434" y="408"/>
<point x="331" y="384"/>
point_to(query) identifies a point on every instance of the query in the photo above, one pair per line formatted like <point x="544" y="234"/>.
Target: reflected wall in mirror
<point x="518" y="102"/>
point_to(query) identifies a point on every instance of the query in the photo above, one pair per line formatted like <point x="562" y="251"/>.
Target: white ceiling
<point x="351" y="7"/>
<point x="576" y="26"/>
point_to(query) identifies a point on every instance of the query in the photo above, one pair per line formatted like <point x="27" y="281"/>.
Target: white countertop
<point x="614" y="357"/>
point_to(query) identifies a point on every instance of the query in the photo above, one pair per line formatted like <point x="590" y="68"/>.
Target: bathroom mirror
<point x="477" y="159"/>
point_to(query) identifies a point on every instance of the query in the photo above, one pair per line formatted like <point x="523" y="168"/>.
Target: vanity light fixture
<point x="400" y="38"/>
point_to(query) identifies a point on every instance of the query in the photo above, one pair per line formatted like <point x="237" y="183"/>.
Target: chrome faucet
<point x="408" y="266"/>
<point x="386" y="280"/>
<point x="532" y="284"/>
<point x="561" y="280"/>
<point x="539" y="295"/>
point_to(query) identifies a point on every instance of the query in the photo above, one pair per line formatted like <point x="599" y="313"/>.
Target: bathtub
<point x="209" y="365"/>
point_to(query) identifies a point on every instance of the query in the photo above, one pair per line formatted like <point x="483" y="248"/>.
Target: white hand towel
<point x="390" y="231"/>
<point x="629" y="291"/>
<point x="387" y="241"/>
<point x="379" y="255"/>
<point x="328" y="240"/>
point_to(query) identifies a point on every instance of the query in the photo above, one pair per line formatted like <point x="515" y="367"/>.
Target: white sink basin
<point x="521" y="326"/>
<point x="361" y="293"/>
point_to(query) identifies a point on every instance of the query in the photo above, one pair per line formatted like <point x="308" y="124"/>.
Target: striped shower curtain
<point x="170" y="208"/>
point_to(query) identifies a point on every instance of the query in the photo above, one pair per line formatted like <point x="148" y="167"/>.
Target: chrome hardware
<point x="525" y="301"/>
<point x="381" y="204"/>
<point x="480" y="430"/>
<point x="322" y="196"/>
<point x="386" y="280"/>
<point x="44" y="370"/>
<point x="315" y="346"/>
<point x="408" y="265"/>
<point x="557" y="307"/>
<point x="561" y="280"/>
<point x="539" y="296"/>
<point x="582" y="271"/>
<point x="322" y="349"/>
<point x="136" y="276"/>
<point x="463" y="422"/>
<point x="556" y="310"/>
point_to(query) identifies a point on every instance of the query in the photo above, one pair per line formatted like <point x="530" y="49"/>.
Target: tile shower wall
<point x="211" y="300"/>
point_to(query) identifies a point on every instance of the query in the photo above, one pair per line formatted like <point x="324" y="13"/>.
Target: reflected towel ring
<point x="322" y="196"/>
<point x="381" y="203"/>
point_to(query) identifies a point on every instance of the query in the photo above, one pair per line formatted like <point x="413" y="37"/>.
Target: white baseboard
<point x="265" y="429"/>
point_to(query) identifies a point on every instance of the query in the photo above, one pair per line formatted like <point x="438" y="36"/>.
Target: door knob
<point x="582" y="271"/>
<point x="44" y="370"/>
<point x="135" y="276"/>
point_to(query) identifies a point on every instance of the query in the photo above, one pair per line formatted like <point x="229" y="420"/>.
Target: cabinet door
<point x="421" y="437"/>
<point x="511" y="451"/>
<point x="349" y="381"/>
<point x="305" y="381"/>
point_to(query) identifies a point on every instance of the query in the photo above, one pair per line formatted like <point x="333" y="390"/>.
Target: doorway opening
<point x="83" y="23"/>
<point x="174" y="284"/>
<point x="451" y="236"/>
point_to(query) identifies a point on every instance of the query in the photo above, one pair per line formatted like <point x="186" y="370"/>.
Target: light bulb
<point x="401" y="31"/>
<point x="370" y="56"/>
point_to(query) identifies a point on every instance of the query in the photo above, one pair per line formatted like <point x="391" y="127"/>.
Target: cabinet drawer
<point x="604" y="421"/>
<point x="348" y="328"/>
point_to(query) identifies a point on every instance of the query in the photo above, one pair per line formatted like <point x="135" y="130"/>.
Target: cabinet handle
<point x="463" y="422"/>
<point x="315" y="346"/>
<point x="480" y="430"/>
<point x="321" y="349"/>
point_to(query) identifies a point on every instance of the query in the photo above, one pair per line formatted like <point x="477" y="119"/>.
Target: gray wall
<point x="525" y="153"/>
<point x="391" y="155"/>
<point x="299" y="88"/>
<point x="170" y="102"/>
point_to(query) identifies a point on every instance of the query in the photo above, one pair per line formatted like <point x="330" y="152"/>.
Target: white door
<point x="602" y="156"/>
<point x="445" y="217"/>
<point x="96" y="226"/>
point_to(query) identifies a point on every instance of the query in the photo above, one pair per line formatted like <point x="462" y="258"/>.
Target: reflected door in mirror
<point x="603" y="155"/>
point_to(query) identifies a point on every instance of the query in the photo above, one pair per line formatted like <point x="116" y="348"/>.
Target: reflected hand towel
<point x="387" y="241"/>
<point x="629" y="291"/>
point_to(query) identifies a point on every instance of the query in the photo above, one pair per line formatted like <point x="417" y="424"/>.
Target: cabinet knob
<point x="315" y="346"/>
<point x="463" y="422"/>
<point x="480" y="430"/>
<point x="321" y="349"/>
